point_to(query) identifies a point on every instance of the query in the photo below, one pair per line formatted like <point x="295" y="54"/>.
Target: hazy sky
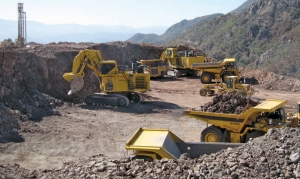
<point x="135" y="13"/>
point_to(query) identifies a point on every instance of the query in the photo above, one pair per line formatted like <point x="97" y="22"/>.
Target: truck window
<point x="277" y="114"/>
<point x="160" y="64"/>
<point x="105" y="68"/>
<point x="169" y="53"/>
<point x="282" y="113"/>
<point x="229" y="82"/>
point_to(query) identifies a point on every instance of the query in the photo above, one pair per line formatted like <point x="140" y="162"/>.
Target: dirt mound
<point x="275" y="155"/>
<point x="228" y="103"/>
<point x="269" y="80"/>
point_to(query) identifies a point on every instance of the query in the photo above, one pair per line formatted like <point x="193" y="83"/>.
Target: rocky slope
<point x="265" y="36"/>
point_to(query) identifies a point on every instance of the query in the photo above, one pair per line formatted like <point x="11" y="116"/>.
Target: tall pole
<point x="21" y="25"/>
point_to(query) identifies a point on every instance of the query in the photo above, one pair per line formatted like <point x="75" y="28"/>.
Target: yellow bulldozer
<point x="119" y="86"/>
<point x="231" y="85"/>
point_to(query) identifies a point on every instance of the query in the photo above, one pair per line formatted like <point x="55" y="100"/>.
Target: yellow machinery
<point x="119" y="85"/>
<point x="295" y="118"/>
<point x="231" y="85"/>
<point x="254" y="122"/>
<point x="155" y="67"/>
<point x="151" y="144"/>
<point x="187" y="62"/>
<point x="180" y="62"/>
<point x="217" y="71"/>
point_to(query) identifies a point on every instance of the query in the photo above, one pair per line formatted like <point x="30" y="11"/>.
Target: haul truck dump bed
<point x="153" y="144"/>
<point x="254" y="122"/>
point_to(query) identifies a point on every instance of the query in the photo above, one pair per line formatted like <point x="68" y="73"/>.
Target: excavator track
<point x="107" y="99"/>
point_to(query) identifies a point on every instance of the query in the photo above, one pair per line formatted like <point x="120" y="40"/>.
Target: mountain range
<point x="175" y="30"/>
<point x="42" y="33"/>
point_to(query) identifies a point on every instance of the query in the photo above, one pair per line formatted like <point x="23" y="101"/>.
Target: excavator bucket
<point x="76" y="85"/>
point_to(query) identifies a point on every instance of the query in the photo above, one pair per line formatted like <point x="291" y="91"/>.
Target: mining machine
<point x="119" y="86"/>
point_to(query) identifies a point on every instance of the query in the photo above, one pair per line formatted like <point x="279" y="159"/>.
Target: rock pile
<point x="229" y="103"/>
<point x="269" y="80"/>
<point x="274" y="155"/>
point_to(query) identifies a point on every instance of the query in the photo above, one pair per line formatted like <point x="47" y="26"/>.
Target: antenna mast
<point x="21" y="41"/>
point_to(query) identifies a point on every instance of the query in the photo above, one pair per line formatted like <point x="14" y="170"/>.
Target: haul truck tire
<point x="205" y="78"/>
<point x="203" y="92"/>
<point x="162" y="74"/>
<point x="211" y="134"/>
<point x="254" y="134"/>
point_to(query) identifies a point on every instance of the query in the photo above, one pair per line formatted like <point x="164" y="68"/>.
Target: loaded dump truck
<point x="188" y="62"/>
<point x="152" y="144"/>
<point x="217" y="71"/>
<point x="236" y="128"/>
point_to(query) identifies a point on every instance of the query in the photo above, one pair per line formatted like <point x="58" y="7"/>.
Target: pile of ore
<point x="274" y="155"/>
<point x="229" y="103"/>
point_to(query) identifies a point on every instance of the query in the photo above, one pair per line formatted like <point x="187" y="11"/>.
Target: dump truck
<point x="217" y="71"/>
<point x="231" y="85"/>
<point x="179" y="63"/>
<point x="155" y="67"/>
<point x="188" y="62"/>
<point x="238" y="128"/>
<point x="154" y="144"/>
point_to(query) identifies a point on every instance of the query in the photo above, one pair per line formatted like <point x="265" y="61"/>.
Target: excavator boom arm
<point x="94" y="56"/>
<point x="89" y="58"/>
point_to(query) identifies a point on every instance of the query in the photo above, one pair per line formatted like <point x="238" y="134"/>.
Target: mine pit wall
<point x="32" y="84"/>
<point x="29" y="70"/>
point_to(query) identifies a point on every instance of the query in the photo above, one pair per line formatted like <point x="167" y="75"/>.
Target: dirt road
<point x="77" y="131"/>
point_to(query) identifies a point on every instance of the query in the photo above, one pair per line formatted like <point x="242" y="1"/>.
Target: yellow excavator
<point x="119" y="86"/>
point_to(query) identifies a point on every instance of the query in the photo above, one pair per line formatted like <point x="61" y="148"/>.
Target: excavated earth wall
<point x="31" y="82"/>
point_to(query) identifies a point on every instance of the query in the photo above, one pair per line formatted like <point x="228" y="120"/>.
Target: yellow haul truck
<point x="152" y="144"/>
<point x="155" y="67"/>
<point x="254" y="122"/>
<point x="217" y="71"/>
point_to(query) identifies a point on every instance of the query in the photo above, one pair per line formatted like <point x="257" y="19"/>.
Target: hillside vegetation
<point x="265" y="36"/>
<point x="243" y="7"/>
<point x="172" y="32"/>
